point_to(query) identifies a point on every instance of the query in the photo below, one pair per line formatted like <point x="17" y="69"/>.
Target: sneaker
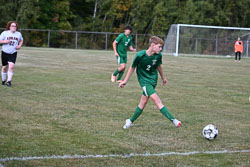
<point x="128" y="124"/>
<point x="9" y="84"/>
<point x="177" y="123"/>
<point x="119" y="81"/>
<point x="113" y="78"/>
<point x="3" y="82"/>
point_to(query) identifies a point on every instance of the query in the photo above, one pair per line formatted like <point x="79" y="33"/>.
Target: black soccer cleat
<point x="9" y="84"/>
<point x="3" y="82"/>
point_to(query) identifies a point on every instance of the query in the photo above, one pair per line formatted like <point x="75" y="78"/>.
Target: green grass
<point x="62" y="102"/>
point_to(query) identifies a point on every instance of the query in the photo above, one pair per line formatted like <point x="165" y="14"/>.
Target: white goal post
<point x="205" y="40"/>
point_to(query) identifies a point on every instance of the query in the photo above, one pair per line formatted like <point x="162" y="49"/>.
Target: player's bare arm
<point x="132" y="49"/>
<point x="114" y="47"/>
<point x="19" y="45"/>
<point x="164" y="80"/>
<point x="4" y="41"/>
<point x="129" y="73"/>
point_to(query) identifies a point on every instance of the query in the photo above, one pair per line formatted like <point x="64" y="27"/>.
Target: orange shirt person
<point x="238" y="49"/>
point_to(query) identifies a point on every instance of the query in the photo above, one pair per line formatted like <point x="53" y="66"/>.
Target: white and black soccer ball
<point x="210" y="132"/>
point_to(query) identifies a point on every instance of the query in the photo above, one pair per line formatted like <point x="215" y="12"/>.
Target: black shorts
<point x="8" y="58"/>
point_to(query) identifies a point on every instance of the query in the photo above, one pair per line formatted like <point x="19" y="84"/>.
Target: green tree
<point x="27" y="13"/>
<point x="146" y="16"/>
<point x="83" y="11"/>
<point x="164" y="14"/>
<point x="40" y="14"/>
<point x="8" y="10"/>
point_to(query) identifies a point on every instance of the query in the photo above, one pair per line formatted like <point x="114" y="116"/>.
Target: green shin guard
<point x="116" y="72"/>
<point x="120" y="75"/>
<point x="167" y="114"/>
<point x="136" y="114"/>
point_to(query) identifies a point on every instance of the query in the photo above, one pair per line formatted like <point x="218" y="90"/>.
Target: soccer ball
<point x="210" y="132"/>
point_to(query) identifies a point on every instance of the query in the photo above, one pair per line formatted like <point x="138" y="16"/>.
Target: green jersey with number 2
<point x="123" y="42"/>
<point x="146" y="67"/>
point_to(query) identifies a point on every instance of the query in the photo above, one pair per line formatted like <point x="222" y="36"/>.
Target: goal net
<point x="205" y="40"/>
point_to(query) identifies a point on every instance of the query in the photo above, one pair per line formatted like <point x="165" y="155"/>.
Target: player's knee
<point x="157" y="102"/>
<point x="143" y="103"/>
<point x="4" y="69"/>
<point x="123" y="67"/>
<point x="11" y="68"/>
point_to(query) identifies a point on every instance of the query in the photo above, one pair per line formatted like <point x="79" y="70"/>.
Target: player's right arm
<point x="114" y="47"/>
<point x="129" y="73"/>
<point x="3" y="39"/>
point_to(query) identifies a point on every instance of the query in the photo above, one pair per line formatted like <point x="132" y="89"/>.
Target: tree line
<point x="145" y="16"/>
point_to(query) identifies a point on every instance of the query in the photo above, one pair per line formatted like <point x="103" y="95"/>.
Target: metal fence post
<point x="196" y="45"/>
<point x="216" y="46"/>
<point x="136" y="41"/>
<point x="76" y="40"/>
<point x="247" y="48"/>
<point x="48" y="38"/>
<point x="106" y="41"/>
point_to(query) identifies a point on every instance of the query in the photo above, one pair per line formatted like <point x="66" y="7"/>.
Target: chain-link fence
<point x="77" y="39"/>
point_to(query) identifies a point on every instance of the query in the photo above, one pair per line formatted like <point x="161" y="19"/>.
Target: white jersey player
<point x="12" y="40"/>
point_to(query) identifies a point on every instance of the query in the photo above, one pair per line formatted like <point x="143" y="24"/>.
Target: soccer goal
<point x="205" y="40"/>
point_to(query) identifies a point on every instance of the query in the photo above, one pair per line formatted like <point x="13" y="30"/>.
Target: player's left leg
<point x="11" y="64"/>
<point x="156" y="99"/>
<point x="239" y="56"/>
<point x="123" y="62"/>
<point x="10" y="73"/>
<point x="121" y="71"/>
<point x="149" y="91"/>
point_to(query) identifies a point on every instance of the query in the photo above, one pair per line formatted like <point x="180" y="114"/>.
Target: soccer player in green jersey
<point x="147" y="63"/>
<point x="120" y="45"/>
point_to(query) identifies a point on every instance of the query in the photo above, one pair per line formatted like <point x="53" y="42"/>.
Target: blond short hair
<point x="156" y="40"/>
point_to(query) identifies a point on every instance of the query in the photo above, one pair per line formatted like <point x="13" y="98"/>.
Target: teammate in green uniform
<point x="120" y="45"/>
<point x="147" y="63"/>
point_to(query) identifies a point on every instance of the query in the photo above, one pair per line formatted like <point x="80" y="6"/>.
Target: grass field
<point x="63" y="103"/>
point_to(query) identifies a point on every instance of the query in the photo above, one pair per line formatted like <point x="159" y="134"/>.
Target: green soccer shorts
<point x="121" y="60"/>
<point x="148" y="90"/>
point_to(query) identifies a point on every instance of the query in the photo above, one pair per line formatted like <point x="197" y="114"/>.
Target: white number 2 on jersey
<point x="148" y="67"/>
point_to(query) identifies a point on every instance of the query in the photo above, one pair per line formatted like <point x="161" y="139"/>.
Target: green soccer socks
<point x="167" y="114"/>
<point x="120" y="75"/>
<point x="136" y="114"/>
<point x="116" y="72"/>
